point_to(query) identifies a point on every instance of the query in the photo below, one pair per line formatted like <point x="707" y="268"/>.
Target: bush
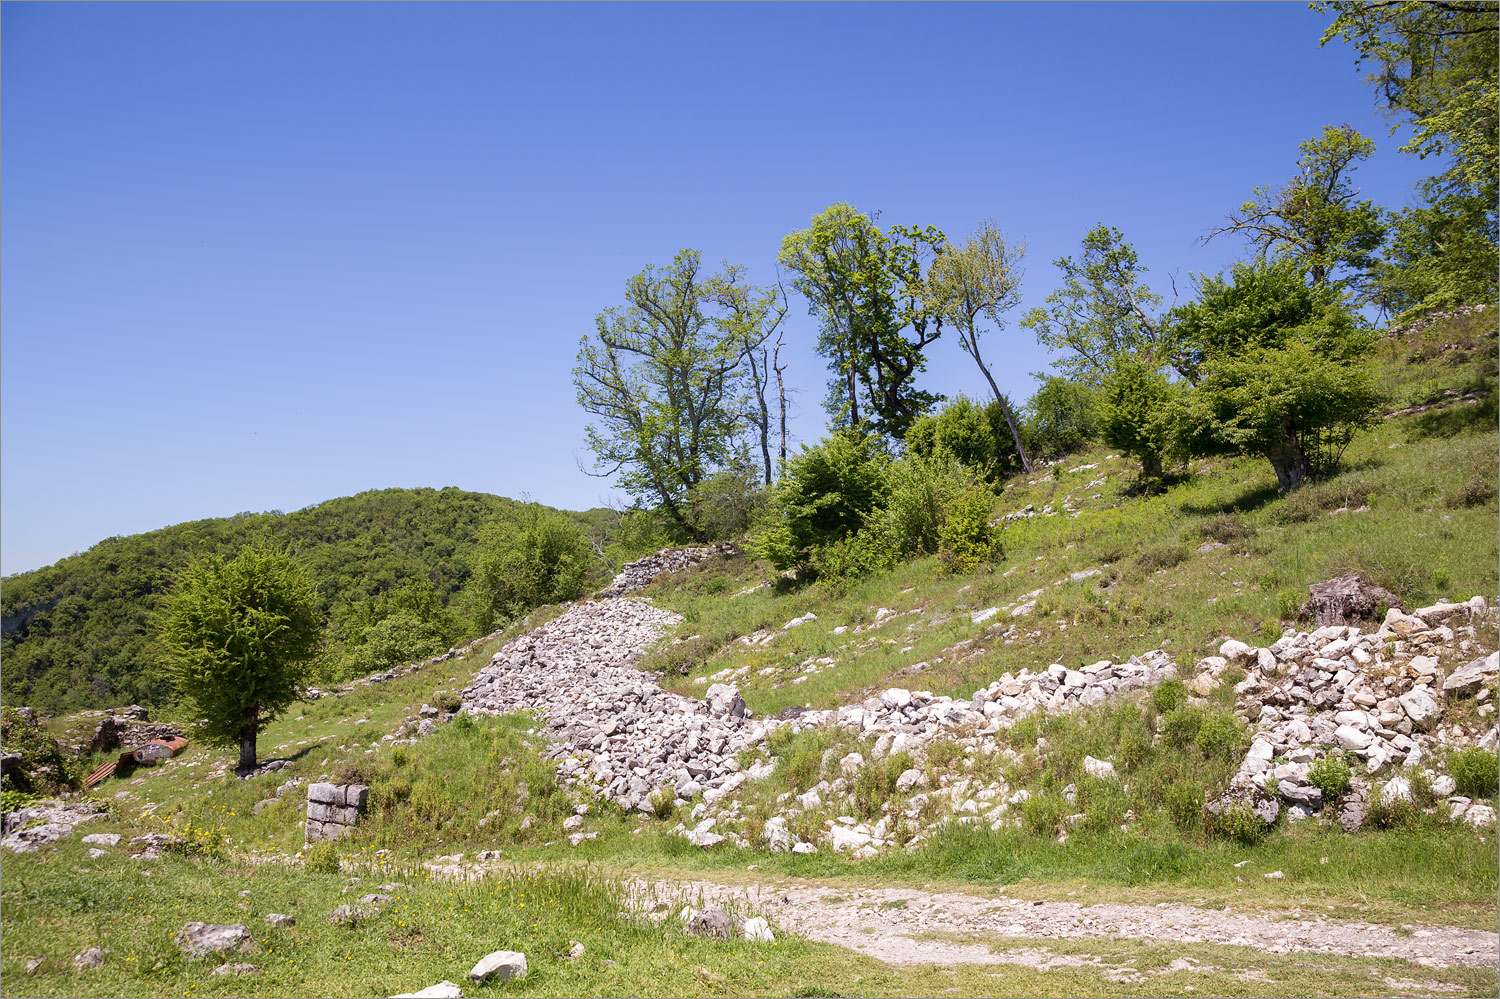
<point x="977" y="437"/>
<point x="1042" y="814"/>
<point x="44" y="769"/>
<point x="1185" y="805"/>
<point x="664" y="800"/>
<point x="541" y="558"/>
<point x="1179" y="727"/>
<point x="1168" y="695"/>
<point x="1331" y="776"/>
<point x="1062" y="417"/>
<point x="1164" y="556"/>
<point x="447" y="700"/>
<point x="321" y="858"/>
<point x="967" y="539"/>
<point x="1236" y="822"/>
<point x="1223" y="738"/>
<point x="827" y="493"/>
<point x="876" y="783"/>
<point x="863" y="553"/>
<point x="1136" y="415"/>
<point x="1476" y="771"/>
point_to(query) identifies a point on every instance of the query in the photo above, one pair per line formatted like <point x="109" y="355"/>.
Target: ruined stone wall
<point x="334" y="809"/>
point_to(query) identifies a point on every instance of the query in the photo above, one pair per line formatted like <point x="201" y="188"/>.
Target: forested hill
<point x="77" y="633"/>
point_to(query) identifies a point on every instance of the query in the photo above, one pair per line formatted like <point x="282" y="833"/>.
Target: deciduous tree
<point x="238" y="636"/>
<point x="979" y="280"/>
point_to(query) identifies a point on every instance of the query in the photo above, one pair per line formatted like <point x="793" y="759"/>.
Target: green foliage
<point x="1331" y="776"/>
<point x="1102" y="313"/>
<point x="967" y="540"/>
<point x="867" y="289"/>
<point x="1236" y="822"/>
<point x="1279" y="378"/>
<point x="826" y="494"/>
<point x="1168" y="695"/>
<point x="1315" y="220"/>
<point x="875" y="786"/>
<point x="44" y="769"/>
<point x="542" y="557"/>
<point x="1137" y="415"/>
<point x="662" y="374"/>
<point x="1222" y="737"/>
<point x="1184" y="802"/>
<point x="79" y="633"/>
<point x="724" y="505"/>
<point x="862" y="554"/>
<point x="1476" y="771"/>
<point x="1435" y="68"/>
<point x="1061" y="418"/>
<point x="976" y="436"/>
<point x="321" y="858"/>
<point x="238" y="635"/>
<point x="400" y="638"/>
<point x="12" y="800"/>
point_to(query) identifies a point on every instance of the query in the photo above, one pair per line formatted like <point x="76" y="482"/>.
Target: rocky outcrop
<point x="1347" y="600"/>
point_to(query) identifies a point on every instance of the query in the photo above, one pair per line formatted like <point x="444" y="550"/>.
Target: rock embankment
<point x="1384" y="697"/>
<point x="639" y="574"/>
<point x="616" y="730"/>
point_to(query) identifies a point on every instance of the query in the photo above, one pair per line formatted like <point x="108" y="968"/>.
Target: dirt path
<point x="910" y="926"/>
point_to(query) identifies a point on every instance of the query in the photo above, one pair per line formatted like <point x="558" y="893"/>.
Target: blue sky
<point x="260" y="256"/>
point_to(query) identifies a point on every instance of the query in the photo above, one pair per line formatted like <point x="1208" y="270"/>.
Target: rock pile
<point x="617" y="730"/>
<point x="1379" y="696"/>
<point x="639" y="574"/>
<point x="56" y="821"/>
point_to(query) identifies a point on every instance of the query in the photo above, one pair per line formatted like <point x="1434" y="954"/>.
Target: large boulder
<point x="1347" y="600"/>
<point x="1467" y="680"/>
<point x="711" y="922"/>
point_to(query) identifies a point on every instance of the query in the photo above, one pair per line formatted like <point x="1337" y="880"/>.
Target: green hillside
<point x="77" y="633"/>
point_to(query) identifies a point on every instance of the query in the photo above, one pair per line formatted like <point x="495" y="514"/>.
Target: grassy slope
<point x="1424" y="536"/>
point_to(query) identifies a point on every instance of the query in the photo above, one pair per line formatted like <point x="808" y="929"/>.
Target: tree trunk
<point x="1010" y="420"/>
<point x="248" y="731"/>
<point x="780" y="391"/>
<point x="1151" y="466"/>
<point x="1291" y="466"/>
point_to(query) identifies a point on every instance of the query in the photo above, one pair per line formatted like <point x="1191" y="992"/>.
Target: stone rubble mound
<point x="639" y="574"/>
<point x="55" y="819"/>
<point x="1380" y="696"/>
<point x="616" y="730"/>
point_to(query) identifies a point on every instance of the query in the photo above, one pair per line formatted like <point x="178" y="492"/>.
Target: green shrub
<point x="1168" y="695"/>
<point x="1223" y="738"/>
<point x="1163" y="556"/>
<point x="967" y="539"/>
<point x="1185" y="805"/>
<point x="1476" y="771"/>
<point x="725" y="504"/>
<point x="664" y="800"/>
<point x="876" y="783"/>
<point x="322" y="858"/>
<point x="976" y="435"/>
<point x="398" y="639"/>
<point x="1136" y="415"/>
<point x="12" y="800"/>
<point x="1179" y="727"/>
<point x="447" y="700"/>
<point x="44" y="769"/>
<point x="1331" y="776"/>
<point x="1042" y="814"/>
<point x="1062" y="417"/>
<point x="1236" y="822"/>
<point x="863" y="553"/>
<point x="826" y="494"/>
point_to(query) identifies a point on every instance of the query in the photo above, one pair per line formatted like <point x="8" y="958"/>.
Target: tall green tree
<point x="1317" y="217"/>
<point x="1436" y="67"/>
<point x="239" y="635"/>
<point x="977" y="281"/>
<point x="867" y="287"/>
<point x="1136" y="415"/>
<point x="1280" y="368"/>
<point x="747" y="317"/>
<point x="663" y="377"/>
<point x="1103" y="311"/>
<point x="539" y="557"/>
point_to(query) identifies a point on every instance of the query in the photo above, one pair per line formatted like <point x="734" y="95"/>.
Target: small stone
<point x="1275" y="876"/>
<point x="1100" y="769"/>
<point x="278" y="919"/>
<point x="711" y="922"/>
<point x="33" y="964"/>
<point x="237" y="968"/>
<point x="91" y="958"/>
<point x="101" y="839"/>
<point x="502" y="964"/>
<point x="575" y="950"/>
<point x="757" y="930"/>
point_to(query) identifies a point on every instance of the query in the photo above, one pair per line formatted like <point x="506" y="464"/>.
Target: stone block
<point x="348" y="815"/>
<point x="356" y="795"/>
<point x="328" y="793"/>
<point x="317" y="811"/>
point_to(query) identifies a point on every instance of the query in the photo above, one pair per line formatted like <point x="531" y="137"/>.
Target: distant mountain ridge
<point x="77" y="633"/>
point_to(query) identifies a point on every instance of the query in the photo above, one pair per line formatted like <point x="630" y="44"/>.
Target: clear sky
<point x="259" y="256"/>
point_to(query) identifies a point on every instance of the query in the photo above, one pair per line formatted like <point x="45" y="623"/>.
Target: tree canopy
<point x="238" y="635"/>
